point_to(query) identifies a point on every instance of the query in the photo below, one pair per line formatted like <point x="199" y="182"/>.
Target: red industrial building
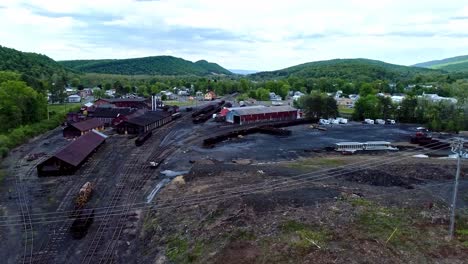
<point x="108" y="115"/>
<point x="139" y="103"/>
<point x="253" y="114"/>
<point x="144" y="123"/>
<point x="74" y="130"/>
<point x="67" y="160"/>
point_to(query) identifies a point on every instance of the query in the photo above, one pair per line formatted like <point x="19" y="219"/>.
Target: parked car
<point x="333" y="121"/>
<point x="324" y="122"/>
<point x="380" y="121"/>
<point x="390" y="121"/>
<point x="342" y="120"/>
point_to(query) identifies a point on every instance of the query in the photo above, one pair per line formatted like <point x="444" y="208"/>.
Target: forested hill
<point x="454" y="64"/>
<point x="349" y="69"/>
<point x="156" y="65"/>
<point x="33" y="65"/>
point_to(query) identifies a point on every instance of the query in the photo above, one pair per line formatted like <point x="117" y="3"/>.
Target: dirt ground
<point x="256" y="199"/>
<point x="379" y="215"/>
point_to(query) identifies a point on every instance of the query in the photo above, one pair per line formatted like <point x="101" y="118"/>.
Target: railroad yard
<point x="215" y="192"/>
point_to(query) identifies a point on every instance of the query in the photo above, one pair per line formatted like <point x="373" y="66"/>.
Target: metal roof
<point x="77" y="151"/>
<point x="88" y="124"/>
<point x="348" y="143"/>
<point x="263" y="110"/>
<point x="106" y="112"/>
<point x="148" y="118"/>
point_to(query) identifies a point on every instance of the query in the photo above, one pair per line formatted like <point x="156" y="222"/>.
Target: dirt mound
<point x="239" y="252"/>
<point x="293" y="198"/>
<point x="380" y="178"/>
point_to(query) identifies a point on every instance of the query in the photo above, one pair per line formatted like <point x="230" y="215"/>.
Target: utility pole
<point x="457" y="148"/>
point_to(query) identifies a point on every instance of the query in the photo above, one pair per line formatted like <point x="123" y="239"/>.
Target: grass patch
<point x="345" y="110"/>
<point x="387" y="224"/>
<point x="150" y="224"/>
<point x="462" y="230"/>
<point x="180" y="103"/>
<point x="303" y="237"/>
<point x="361" y="202"/>
<point x="63" y="108"/>
<point x="316" y="163"/>
<point x="178" y="250"/>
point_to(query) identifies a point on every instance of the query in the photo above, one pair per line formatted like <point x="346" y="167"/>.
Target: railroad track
<point x="23" y="203"/>
<point x="157" y="155"/>
<point x="133" y="166"/>
<point x="59" y="231"/>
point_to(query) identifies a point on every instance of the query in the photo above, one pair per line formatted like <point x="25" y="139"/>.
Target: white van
<point x="369" y="121"/>
<point x="380" y="121"/>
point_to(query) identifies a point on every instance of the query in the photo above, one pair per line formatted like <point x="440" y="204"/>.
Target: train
<point x="142" y="138"/>
<point x="206" y="112"/>
<point x="84" y="195"/>
<point x="80" y="226"/>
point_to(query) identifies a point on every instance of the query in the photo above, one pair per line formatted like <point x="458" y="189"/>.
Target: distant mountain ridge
<point x="31" y="64"/>
<point x="348" y="69"/>
<point x="242" y="72"/>
<point x="453" y="64"/>
<point x="154" y="65"/>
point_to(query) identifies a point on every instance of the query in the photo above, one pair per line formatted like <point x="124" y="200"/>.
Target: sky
<point x="241" y="34"/>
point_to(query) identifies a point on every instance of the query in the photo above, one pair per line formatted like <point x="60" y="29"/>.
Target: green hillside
<point x="454" y="64"/>
<point x="31" y="64"/>
<point x="349" y="69"/>
<point x="157" y="65"/>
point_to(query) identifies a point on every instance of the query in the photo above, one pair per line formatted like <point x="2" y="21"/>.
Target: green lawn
<point x="345" y="110"/>
<point x="180" y="103"/>
<point x="63" y="108"/>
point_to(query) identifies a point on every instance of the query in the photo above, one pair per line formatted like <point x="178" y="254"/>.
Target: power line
<point x="199" y="200"/>
<point x="298" y="178"/>
<point x="457" y="148"/>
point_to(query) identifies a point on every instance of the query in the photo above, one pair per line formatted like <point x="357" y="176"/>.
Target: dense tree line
<point x="438" y="116"/>
<point x="19" y="103"/>
<point x="156" y="65"/>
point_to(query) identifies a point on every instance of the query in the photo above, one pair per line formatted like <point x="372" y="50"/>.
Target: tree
<point x="366" y="107"/>
<point x="318" y="105"/>
<point x="19" y="105"/>
<point x="262" y="94"/>
<point x="366" y="89"/>
<point x="107" y="86"/>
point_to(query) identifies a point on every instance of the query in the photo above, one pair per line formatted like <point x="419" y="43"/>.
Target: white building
<point x="74" y="98"/>
<point x="436" y="98"/>
<point x="397" y="98"/>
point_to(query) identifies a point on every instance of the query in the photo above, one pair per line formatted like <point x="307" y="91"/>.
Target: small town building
<point x="74" y="98"/>
<point x="144" y="123"/>
<point x="108" y="115"/>
<point x="77" y="129"/>
<point x="210" y="96"/>
<point x="253" y="114"/>
<point x="67" y="160"/>
<point x="347" y="102"/>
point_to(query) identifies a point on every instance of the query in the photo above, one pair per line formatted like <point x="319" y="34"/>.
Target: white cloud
<point x="254" y="34"/>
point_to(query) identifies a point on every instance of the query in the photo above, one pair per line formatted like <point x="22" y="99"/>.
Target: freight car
<point x="176" y="115"/>
<point x="142" y="138"/>
<point x="84" y="195"/>
<point x="204" y="110"/>
<point x="80" y="226"/>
